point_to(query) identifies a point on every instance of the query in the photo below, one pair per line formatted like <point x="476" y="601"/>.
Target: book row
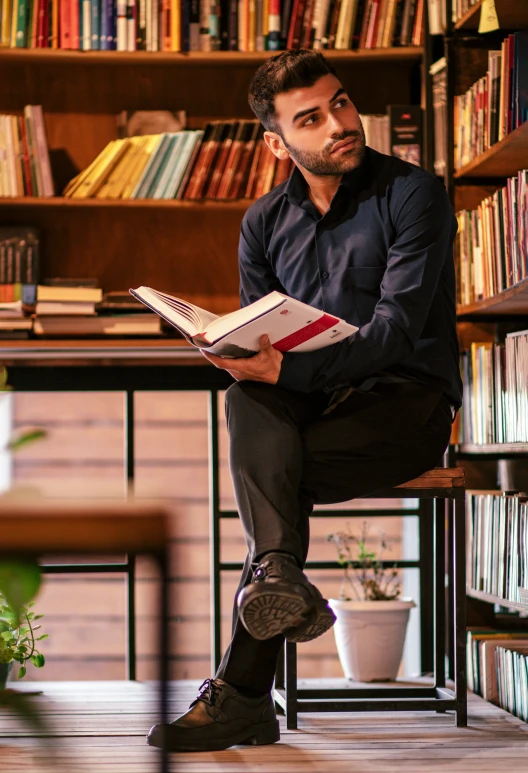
<point x="210" y="25"/>
<point x="492" y="242"/>
<point x="497" y="544"/>
<point x="24" y="158"/>
<point x="489" y="673"/>
<point x="512" y="680"/>
<point x="496" y="104"/>
<point x="495" y="383"/>
<point x="228" y="160"/>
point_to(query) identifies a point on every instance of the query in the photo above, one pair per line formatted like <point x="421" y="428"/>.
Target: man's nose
<point x="334" y="124"/>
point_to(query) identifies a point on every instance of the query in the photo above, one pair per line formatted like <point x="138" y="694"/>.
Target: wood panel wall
<point x="84" y="455"/>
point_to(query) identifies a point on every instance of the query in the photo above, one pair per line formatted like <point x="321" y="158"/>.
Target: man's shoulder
<point x="396" y="173"/>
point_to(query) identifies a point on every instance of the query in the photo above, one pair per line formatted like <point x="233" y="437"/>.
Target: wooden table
<point x="31" y="528"/>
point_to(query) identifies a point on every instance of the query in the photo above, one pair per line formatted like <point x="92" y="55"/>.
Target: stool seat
<point x="439" y="477"/>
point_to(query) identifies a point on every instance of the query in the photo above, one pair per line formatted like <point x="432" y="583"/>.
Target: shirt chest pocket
<point x="364" y="284"/>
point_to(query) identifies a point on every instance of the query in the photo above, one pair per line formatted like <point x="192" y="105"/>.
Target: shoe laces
<point x="209" y="691"/>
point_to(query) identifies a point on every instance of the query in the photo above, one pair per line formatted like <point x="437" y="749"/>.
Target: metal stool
<point x="441" y="483"/>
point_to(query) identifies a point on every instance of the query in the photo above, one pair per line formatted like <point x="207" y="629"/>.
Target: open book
<point x="292" y="326"/>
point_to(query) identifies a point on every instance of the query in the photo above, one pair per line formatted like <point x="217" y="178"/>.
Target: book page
<point x="184" y="316"/>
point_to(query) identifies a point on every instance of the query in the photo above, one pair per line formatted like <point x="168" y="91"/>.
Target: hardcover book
<point x="290" y="324"/>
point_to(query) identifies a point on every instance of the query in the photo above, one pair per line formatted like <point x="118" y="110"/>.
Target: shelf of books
<point x="517" y="606"/>
<point x="492" y="449"/>
<point x="512" y="301"/>
<point x="502" y="159"/>
<point x="61" y="202"/>
<point x="511" y="14"/>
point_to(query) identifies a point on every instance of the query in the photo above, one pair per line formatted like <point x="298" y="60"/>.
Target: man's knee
<point x="246" y="395"/>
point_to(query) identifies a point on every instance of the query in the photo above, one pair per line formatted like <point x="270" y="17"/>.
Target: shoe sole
<point x="258" y="735"/>
<point x="267" y="613"/>
<point x="320" y="621"/>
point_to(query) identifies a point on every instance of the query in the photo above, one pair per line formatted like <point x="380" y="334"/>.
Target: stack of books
<point x="24" y="157"/>
<point x="199" y="25"/>
<point x="75" y="307"/>
<point x="492" y="242"/>
<point x="495" y="382"/>
<point x="496" y="104"/>
<point x="512" y="678"/>
<point x="497" y="547"/>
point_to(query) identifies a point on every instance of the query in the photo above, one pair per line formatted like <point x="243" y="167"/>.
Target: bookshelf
<point x="490" y="467"/>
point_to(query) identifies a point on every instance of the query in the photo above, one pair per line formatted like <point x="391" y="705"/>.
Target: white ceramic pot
<point x="370" y="636"/>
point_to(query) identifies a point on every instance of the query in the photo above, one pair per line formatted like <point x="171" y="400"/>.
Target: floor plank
<point x="100" y="727"/>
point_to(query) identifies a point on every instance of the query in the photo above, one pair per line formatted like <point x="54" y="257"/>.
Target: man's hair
<point x="287" y="71"/>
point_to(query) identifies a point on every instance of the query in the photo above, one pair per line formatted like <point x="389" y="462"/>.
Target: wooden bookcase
<point x="466" y="53"/>
<point x="181" y="247"/>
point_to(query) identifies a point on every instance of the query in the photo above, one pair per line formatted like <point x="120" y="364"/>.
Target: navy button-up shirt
<point x="381" y="258"/>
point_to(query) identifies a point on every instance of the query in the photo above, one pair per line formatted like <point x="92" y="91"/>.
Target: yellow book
<point x="122" y="173"/>
<point x="175" y="25"/>
<point x="134" y="159"/>
<point x="74" y="184"/>
<point x="112" y="184"/>
<point x="144" y="156"/>
<point x="14" y="22"/>
<point x="252" y="25"/>
<point x="5" y="30"/>
<point x="99" y="172"/>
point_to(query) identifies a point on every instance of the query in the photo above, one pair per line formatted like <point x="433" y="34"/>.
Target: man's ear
<point x="276" y="145"/>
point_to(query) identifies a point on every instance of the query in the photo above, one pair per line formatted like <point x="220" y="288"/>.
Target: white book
<point x="291" y="325"/>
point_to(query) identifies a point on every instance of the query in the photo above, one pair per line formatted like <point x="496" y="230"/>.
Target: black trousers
<point x="286" y="455"/>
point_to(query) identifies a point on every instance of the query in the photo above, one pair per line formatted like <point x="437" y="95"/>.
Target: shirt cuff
<point x="296" y="371"/>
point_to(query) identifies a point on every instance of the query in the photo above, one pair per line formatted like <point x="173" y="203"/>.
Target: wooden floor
<point x="100" y="727"/>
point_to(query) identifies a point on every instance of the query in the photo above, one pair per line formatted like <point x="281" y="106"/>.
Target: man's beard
<point x="323" y="164"/>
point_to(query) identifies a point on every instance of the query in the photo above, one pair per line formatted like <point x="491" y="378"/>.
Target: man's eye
<point x="310" y="120"/>
<point x="341" y="102"/>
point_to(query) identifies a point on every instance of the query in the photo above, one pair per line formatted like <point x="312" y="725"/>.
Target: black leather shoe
<point x="219" y="718"/>
<point x="281" y="600"/>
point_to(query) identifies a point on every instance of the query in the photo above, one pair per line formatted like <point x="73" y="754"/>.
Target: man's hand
<point x="264" y="366"/>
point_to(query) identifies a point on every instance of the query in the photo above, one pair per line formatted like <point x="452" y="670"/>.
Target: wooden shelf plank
<point x="60" y="201"/>
<point x="504" y="159"/>
<point x="492" y="448"/>
<point x="514" y="300"/>
<point x="512" y="14"/>
<point x="194" y="58"/>
<point x="477" y="594"/>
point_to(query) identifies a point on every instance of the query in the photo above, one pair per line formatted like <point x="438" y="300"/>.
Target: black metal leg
<point x="426" y="550"/>
<point x="130" y="560"/>
<point x="131" y="618"/>
<point x="279" y="671"/>
<point x="439" y="595"/>
<point x="164" y="656"/>
<point x="290" y="662"/>
<point x="214" y="504"/>
<point x="459" y="604"/>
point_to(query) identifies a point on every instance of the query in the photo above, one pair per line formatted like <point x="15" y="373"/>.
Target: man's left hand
<point x="264" y="366"/>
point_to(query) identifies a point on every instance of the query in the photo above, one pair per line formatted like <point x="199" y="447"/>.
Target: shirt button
<point x="324" y="275"/>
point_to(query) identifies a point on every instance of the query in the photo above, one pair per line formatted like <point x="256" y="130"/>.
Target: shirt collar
<point x="296" y="190"/>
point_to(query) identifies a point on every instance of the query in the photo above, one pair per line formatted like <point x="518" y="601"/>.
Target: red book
<point x="307" y="29"/>
<point x="226" y="141"/>
<point x="253" y="170"/>
<point x="296" y="23"/>
<point x="65" y="25"/>
<point x="74" y="23"/>
<point x="238" y="185"/>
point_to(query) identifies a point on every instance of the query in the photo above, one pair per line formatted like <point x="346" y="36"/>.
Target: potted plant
<point x="371" y="617"/>
<point x="18" y="642"/>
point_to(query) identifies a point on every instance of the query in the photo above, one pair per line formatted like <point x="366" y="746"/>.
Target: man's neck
<point x="321" y="190"/>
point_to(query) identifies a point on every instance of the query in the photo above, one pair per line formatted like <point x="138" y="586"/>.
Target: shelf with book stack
<point x="513" y="301"/>
<point x="510" y="13"/>
<point x="492" y="449"/>
<point x="30" y="202"/>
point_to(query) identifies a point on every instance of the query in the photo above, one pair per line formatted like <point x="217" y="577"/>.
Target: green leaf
<point x="38" y="660"/>
<point x="4" y="387"/>
<point x="44" y="636"/>
<point x="25" y="438"/>
<point x="38" y="617"/>
<point x="7" y="636"/>
<point x="22" y="672"/>
<point x="19" y="583"/>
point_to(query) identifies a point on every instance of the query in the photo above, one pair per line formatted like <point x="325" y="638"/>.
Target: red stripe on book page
<point x="310" y="331"/>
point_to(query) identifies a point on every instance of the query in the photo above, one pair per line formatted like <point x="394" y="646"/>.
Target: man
<point x="368" y="238"/>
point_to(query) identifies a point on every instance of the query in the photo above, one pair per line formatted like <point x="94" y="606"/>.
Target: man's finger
<point x="264" y="342"/>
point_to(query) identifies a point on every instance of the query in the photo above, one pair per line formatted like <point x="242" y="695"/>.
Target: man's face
<point x="320" y="128"/>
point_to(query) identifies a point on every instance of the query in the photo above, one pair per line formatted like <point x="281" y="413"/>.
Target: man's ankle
<point x="262" y="556"/>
